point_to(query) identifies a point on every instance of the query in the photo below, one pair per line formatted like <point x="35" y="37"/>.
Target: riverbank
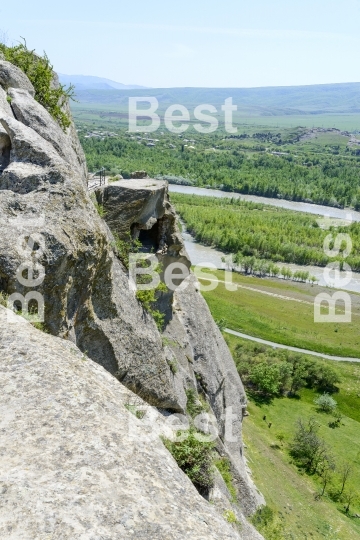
<point x="308" y="208"/>
<point x="209" y="256"/>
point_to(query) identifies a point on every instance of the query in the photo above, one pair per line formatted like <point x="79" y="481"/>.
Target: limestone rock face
<point x="206" y="361"/>
<point x="135" y="206"/>
<point x="83" y="470"/>
<point x="85" y="288"/>
<point x="32" y="114"/>
<point x="4" y="138"/>
<point x="12" y="77"/>
<point x="141" y="208"/>
<point x="132" y="203"/>
<point x="4" y="104"/>
<point x="75" y="464"/>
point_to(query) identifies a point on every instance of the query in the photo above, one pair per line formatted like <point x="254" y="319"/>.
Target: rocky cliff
<point x="54" y="244"/>
<point x="75" y="463"/>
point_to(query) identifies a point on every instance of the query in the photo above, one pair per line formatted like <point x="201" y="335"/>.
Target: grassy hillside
<point x="282" y="312"/>
<point x="289" y="491"/>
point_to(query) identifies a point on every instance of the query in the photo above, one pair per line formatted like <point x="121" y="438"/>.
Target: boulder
<point x="132" y="204"/>
<point x="12" y="77"/>
<point x="141" y="208"/>
<point x="30" y="113"/>
<point x="75" y="463"/>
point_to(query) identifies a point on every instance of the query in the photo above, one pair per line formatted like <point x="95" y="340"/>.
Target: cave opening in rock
<point x="149" y="238"/>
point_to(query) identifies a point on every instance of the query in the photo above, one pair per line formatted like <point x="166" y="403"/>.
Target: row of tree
<point x="263" y="232"/>
<point x="262" y="268"/>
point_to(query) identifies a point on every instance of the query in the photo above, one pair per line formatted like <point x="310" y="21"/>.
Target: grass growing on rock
<point x="194" y="456"/>
<point x="193" y="450"/>
<point x="40" y="72"/>
<point x="223" y="466"/>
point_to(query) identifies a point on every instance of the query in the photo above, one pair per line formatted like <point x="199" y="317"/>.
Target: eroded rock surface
<point x="75" y="464"/>
<point x="12" y="77"/>
<point x="49" y="225"/>
<point x="141" y="209"/>
<point x="32" y="114"/>
<point x="85" y="288"/>
<point x="206" y="361"/>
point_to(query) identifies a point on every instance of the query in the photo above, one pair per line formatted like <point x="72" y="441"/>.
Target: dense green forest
<point x="325" y="172"/>
<point x="262" y="231"/>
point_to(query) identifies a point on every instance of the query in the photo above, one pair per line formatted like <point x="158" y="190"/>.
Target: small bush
<point x="124" y="247"/>
<point x="194" y="457"/>
<point x="193" y="406"/>
<point x="40" y="73"/>
<point x="221" y="323"/>
<point x="148" y="297"/>
<point x="326" y="403"/>
<point x="135" y="411"/>
<point x="268" y="523"/>
<point x="230" y="516"/>
<point x="3" y="299"/>
<point x="173" y="366"/>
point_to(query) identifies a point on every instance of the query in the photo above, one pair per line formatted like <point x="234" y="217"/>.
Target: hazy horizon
<point x="127" y="83"/>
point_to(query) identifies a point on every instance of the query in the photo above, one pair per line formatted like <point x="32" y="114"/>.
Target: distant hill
<point x="88" y="82"/>
<point x="268" y="101"/>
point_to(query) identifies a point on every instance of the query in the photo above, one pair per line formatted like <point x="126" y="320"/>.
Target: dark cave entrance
<point x="5" y="148"/>
<point x="149" y="238"/>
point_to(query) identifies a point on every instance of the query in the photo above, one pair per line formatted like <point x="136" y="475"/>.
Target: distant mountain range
<point x="341" y="98"/>
<point x="89" y="82"/>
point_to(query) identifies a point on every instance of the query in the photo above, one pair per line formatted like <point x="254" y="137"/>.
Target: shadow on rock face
<point x="5" y="147"/>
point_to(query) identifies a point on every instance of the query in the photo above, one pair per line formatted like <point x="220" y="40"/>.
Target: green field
<point x="289" y="491"/>
<point x="117" y="115"/>
<point x="256" y="309"/>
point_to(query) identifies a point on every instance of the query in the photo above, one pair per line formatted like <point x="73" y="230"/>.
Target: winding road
<point x="289" y="348"/>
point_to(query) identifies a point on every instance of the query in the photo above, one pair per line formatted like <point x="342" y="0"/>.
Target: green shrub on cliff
<point x="40" y="73"/>
<point x="195" y="457"/>
<point x="3" y="299"/>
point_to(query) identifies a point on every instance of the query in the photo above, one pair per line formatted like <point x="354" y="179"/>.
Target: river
<point x="319" y="210"/>
<point x="207" y="256"/>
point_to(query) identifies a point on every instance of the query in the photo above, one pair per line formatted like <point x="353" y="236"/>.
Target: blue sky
<point x="160" y="43"/>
